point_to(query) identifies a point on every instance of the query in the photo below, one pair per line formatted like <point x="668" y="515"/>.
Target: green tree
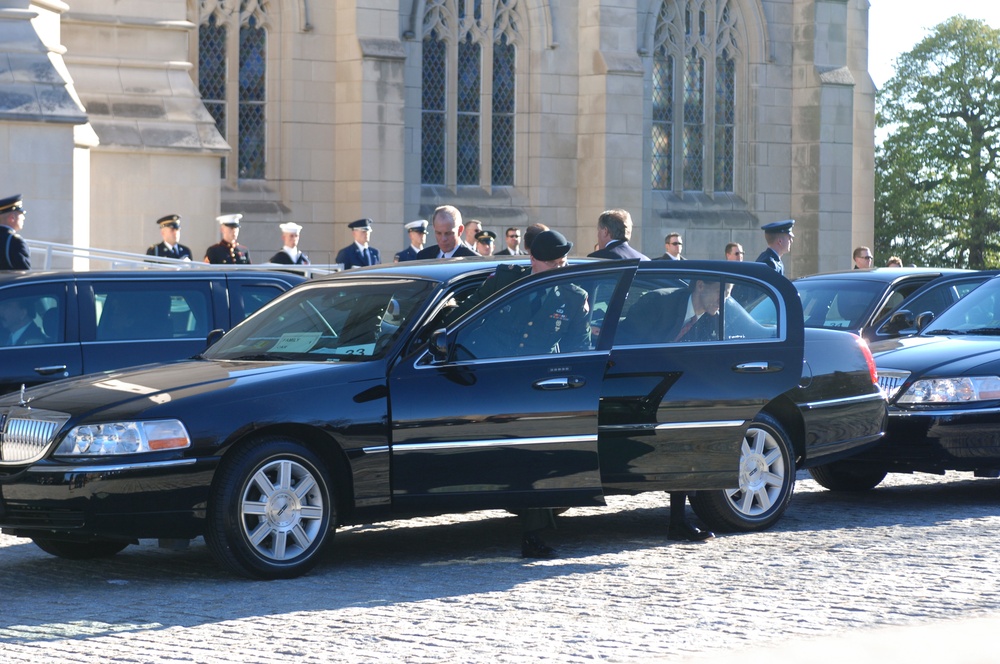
<point x="937" y="173"/>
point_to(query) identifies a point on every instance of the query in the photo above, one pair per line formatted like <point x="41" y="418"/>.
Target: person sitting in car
<point x="19" y="325"/>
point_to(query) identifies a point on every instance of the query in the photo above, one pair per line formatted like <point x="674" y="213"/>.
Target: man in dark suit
<point x="614" y="229"/>
<point x="513" y="239"/>
<point x="290" y="253"/>
<point x="228" y="251"/>
<point x="448" y="227"/>
<point x="779" y="236"/>
<point x="417" y="232"/>
<point x="359" y="253"/>
<point x="19" y="327"/>
<point x="672" y="247"/>
<point x="14" y="253"/>
<point x="170" y="246"/>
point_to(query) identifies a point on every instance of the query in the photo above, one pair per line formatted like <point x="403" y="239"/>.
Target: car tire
<point x="767" y="478"/>
<point x="79" y="549"/>
<point x="270" y="511"/>
<point x="846" y="476"/>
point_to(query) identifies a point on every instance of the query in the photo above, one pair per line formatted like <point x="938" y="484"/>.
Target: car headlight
<point x="952" y="390"/>
<point x="124" y="438"/>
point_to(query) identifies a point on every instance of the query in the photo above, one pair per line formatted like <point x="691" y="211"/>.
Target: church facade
<point x="703" y="117"/>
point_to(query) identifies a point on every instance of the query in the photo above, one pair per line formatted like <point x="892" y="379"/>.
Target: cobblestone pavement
<point x="910" y="557"/>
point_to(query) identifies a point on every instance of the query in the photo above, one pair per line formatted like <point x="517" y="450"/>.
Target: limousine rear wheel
<point x="270" y="510"/>
<point x="767" y="477"/>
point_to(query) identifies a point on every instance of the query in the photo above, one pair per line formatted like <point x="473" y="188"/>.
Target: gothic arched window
<point x="232" y="78"/>
<point x="693" y="142"/>
<point x="468" y="96"/>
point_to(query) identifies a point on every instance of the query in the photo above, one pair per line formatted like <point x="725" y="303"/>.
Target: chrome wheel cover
<point x="282" y="510"/>
<point x="763" y="474"/>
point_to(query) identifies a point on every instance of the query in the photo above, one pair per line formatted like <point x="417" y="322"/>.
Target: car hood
<point x="940" y="355"/>
<point x="157" y="390"/>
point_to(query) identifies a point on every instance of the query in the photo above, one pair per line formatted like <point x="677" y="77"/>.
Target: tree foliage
<point x="937" y="173"/>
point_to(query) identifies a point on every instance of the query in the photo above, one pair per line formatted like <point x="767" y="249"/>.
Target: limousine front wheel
<point x="270" y="510"/>
<point x="766" y="480"/>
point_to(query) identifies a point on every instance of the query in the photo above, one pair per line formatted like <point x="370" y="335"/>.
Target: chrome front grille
<point x="890" y="380"/>
<point x="25" y="434"/>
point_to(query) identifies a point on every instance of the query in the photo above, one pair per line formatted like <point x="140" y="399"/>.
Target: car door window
<point x="146" y="310"/>
<point x="32" y="316"/>
<point x="693" y="308"/>
<point x="551" y="316"/>
<point x="256" y="296"/>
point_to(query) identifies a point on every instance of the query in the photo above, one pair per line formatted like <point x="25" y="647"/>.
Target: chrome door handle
<point x="48" y="371"/>
<point x="758" y="367"/>
<point x="560" y="383"/>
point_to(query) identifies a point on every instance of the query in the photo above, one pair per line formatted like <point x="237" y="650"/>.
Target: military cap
<point x="11" y="203"/>
<point x="360" y="225"/>
<point x="169" y="221"/>
<point x="418" y="226"/>
<point x="779" y="227"/>
<point x="232" y="220"/>
<point x="550" y="245"/>
<point x="290" y="227"/>
<point x="486" y="236"/>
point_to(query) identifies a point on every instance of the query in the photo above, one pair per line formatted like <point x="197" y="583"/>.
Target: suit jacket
<point x="180" y="251"/>
<point x="507" y="252"/>
<point x="433" y="251"/>
<point x="351" y="256"/>
<point x="224" y="253"/>
<point x="32" y="335"/>
<point x="408" y="254"/>
<point x="668" y="257"/>
<point x="618" y="250"/>
<point x="771" y="258"/>
<point x="283" y="258"/>
<point x="14" y="253"/>
<point x="659" y="316"/>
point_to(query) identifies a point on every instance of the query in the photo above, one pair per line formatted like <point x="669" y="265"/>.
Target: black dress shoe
<point x="685" y="532"/>
<point x="532" y="546"/>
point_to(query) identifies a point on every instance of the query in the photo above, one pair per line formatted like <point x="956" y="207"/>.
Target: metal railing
<point x="56" y="256"/>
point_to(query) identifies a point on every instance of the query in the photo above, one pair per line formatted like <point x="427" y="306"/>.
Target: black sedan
<point x="943" y="387"/>
<point x="858" y="301"/>
<point x="348" y="400"/>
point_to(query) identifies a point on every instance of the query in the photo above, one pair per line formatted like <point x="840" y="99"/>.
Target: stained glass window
<point x="232" y="78"/>
<point x="704" y="125"/>
<point x="468" y="133"/>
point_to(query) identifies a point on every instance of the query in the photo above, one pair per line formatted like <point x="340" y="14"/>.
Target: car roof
<point x="885" y="274"/>
<point x="9" y="277"/>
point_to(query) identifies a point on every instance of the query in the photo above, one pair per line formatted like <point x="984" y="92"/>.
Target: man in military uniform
<point x="14" y="253"/>
<point x="484" y="242"/>
<point x="359" y="253"/>
<point x="779" y="236"/>
<point x="290" y="253"/>
<point x="170" y="232"/>
<point x="228" y="251"/>
<point x="417" y="232"/>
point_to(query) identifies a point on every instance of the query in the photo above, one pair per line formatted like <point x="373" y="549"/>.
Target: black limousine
<point x="361" y="397"/>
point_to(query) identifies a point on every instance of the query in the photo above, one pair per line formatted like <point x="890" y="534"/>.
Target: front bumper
<point x="131" y="500"/>
<point x="939" y="440"/>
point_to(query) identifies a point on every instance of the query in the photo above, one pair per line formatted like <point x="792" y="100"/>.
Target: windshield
<point x="840" y="304"/>
<point x="976" y="313"/>
<point x="341" y="320"/>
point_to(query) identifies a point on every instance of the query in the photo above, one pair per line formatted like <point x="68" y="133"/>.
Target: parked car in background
<point x="929" y="300"/>
<point x="858" y="301"/>
<point x="348" y="400"/>
<point x="97" y="321"/>
<point x="943" y="387"/>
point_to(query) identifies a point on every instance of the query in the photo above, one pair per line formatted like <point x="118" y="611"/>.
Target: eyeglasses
<point x="677" y="244"/>
<point x="867" y="258"/>
<point x="514" y="235"/>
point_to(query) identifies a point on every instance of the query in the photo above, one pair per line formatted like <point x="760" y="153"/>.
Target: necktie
<point x="686" y="328"/>
<point x="368" y="256"/>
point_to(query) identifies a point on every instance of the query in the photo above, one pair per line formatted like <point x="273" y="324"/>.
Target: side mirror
<point x="439" y="346"/>
<point x="899" y="321"/>
<point x="924" y="319"/>
<point x="213" y="336"/>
